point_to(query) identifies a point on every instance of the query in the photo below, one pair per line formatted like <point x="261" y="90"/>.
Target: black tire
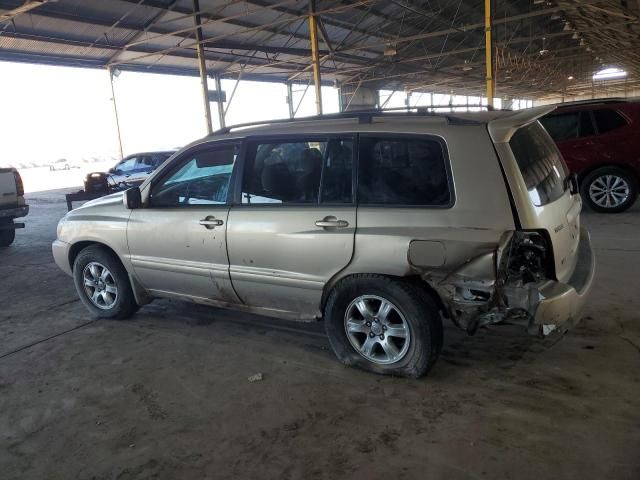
<point x="7" y="236"/>
<point x="598" y="175"/>
<point x="124" y="305"/>
<point x="417" y="307"/>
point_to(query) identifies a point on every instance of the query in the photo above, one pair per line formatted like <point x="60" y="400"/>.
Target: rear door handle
<point x="211" y="222"/>
<point x="331" y="222"/>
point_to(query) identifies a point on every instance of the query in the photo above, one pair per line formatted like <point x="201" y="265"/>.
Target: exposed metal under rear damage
<point x="511" y="284"/>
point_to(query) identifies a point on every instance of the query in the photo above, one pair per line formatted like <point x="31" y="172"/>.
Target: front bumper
<point x="560" y="304"/>
<point x="17" y="212"/>
<point x="60" y="252"/>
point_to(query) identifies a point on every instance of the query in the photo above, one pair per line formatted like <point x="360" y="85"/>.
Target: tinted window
<point x="202" y="178"/>
<point x="561" y="127"/>
<point x="402" y="171"/>
<point x="608" y="120"/>
<point x="586" y="125"/>
<point x="293" y="171"/>
<point x="540" y="162"/>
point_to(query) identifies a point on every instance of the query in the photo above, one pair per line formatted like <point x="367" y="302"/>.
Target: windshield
<point x="542" y="167"/>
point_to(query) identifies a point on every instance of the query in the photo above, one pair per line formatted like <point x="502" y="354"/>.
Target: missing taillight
<point x="530" y="257"/>
<point x="19" y="184"/>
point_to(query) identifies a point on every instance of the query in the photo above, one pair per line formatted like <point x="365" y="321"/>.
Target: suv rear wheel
<point x="103" y="284"/>
<point x="609" y="190"/>
<point x="383" y="325"/>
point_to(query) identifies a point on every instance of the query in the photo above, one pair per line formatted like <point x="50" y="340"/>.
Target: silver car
<point x="381" y="224"/>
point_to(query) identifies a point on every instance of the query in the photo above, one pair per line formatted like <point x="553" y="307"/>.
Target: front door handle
<point x="211" y="222"/>
<point x="331" y="222"/>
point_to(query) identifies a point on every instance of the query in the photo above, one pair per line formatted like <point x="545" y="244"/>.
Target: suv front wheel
<point x="103" y="284"/>
<point x="609" y="190"/>
<point x="383" y="325"/>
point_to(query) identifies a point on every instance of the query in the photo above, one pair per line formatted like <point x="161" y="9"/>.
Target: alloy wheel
<point x="377" y="329"/>
<point x="99" y="285"/>
<point x="609" y="191"/>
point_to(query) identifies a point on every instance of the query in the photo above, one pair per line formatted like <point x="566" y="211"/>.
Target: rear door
<point x="293" y="226"/>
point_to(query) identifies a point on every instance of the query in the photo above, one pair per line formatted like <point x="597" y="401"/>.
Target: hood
<point x="111" y="199"/>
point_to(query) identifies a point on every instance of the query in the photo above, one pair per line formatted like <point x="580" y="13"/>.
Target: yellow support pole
<point x="488" y="49"/>
<point x="315" y="57"/>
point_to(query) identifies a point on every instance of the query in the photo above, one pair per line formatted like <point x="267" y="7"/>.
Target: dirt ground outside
<point x="166" y="396"/>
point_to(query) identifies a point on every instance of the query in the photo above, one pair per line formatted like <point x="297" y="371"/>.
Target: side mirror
<point x="133" y="198"/>
<point x="111" y="170"/>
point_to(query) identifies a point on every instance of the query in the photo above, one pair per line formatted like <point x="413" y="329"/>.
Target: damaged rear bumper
<point x="559" y="304"/>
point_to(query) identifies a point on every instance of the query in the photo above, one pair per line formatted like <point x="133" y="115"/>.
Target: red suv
<point x="600" y="141"/>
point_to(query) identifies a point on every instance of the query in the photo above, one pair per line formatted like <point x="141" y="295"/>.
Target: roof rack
<point x="363" y="116"/>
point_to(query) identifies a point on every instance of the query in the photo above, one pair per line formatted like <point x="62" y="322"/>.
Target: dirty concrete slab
<point x="166" y="394"/>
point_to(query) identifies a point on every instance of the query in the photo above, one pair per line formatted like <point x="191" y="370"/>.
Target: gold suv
<point x="379" y="223"/>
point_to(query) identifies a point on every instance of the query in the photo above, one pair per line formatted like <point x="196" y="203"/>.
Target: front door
<point x="177" y="241"/>
<point x="294" y="227"/>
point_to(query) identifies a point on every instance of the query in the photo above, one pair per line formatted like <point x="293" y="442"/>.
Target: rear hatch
<point x="542" y="189"/>
<point x="547" y="181"/>
<point x="8" y="190"/>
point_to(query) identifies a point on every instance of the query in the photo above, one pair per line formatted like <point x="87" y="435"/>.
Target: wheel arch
<point x="415" y="280"/>
<point x="623" y="166"/>
<point x="141" y="295"/>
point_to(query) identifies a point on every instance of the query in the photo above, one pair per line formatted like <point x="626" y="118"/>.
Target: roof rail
<point x="363" y="116"/>
<point x="598" y="101"/>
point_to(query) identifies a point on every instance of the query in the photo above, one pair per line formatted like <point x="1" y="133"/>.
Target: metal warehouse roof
<point x="395" y="44"/>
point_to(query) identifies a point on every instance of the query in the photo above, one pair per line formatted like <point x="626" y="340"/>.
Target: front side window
<point x="563" y="126"/>
<point x="305" y="171"/>
<point x="541" y="165"/>
<point x="403" y="171"/>
<point x="201" y="178"/>
<point x="608" y="120"/>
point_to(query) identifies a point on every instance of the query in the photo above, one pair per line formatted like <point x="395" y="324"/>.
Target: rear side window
<point x="562" y="127"/>
<point x="542" y="167"/>
<point x="403" y="171"/>
<point x="298" y="171"/>
<point x="608" y="120"/>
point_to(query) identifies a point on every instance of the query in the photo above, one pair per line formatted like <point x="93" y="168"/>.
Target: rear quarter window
<point x="540" y="163"/>
<point x="403" y="171"/>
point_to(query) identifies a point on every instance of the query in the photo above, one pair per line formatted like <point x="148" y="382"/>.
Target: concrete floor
<point x="166" y="395"/>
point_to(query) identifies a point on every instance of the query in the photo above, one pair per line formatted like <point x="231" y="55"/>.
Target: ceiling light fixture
<point x="610" y="73"/>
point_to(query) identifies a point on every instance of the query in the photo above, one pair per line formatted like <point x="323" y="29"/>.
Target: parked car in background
<point x="600" y="141"/>
<point x="134" y="169"/>
<point x="60" y="164"/>
<point x="12" y="205"/>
